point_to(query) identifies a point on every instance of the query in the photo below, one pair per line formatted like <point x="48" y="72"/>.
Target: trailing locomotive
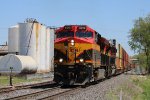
<point x="81" y="55"/>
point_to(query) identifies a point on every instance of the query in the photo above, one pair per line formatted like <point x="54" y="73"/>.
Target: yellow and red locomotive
<point x="81" y="55"/>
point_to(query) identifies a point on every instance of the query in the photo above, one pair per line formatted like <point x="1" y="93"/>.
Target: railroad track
<point x="5" y="89"/>
<point x="46" y="94"/>
<point x="61" y="94"/>
<point x="19" y="87"/>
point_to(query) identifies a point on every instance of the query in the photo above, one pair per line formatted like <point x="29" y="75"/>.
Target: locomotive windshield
<point x="65" y="34"/>
<point x="84" y="34"/>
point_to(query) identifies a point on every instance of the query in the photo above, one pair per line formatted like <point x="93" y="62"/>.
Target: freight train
<point x="82" y="55"/>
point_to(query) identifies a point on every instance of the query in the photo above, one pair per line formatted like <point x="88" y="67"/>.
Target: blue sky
<point x="111" y="18"/>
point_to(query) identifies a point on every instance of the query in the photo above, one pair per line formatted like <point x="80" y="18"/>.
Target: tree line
<point x="139" y="41"/>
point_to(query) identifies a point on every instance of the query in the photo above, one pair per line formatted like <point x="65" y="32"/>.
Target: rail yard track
<point x="54" y="93"/>
<point x="61" y="93"/>
<point x="50" y="92"/>
<point x="46" y="94"/>
<point x="19" y="87"/>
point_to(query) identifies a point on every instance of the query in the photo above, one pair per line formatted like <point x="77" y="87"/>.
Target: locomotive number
<point x="72" y="49"/>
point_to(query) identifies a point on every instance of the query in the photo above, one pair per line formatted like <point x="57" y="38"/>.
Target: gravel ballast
<point x="98" y="91"/>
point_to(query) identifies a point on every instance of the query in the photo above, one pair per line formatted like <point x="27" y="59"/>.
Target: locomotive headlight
<point x="81" y="60"/>
<point x="72" y="42"/>
<point x="60" y="60"/>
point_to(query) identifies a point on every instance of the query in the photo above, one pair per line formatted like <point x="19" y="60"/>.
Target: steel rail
<point x="60" y="94"/>
<point x="31" y="95"/>
<point x="19" y="87"/>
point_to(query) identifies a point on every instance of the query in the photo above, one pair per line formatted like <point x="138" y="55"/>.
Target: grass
<point x="135" y="88"/>
<point x="126" y="91"/>
<point x="112" y="95"/>
<point x="4" y="80"/>
<point x="144" y="83"/>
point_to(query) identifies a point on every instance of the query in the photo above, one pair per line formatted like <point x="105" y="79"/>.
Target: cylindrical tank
<point x="42" y="47"/>
<point x="13" y="39"/>
<point x="52" y="33"/>
<point x="38" y="44"/>
<point x="27" y="38"/>
<point x="20" y="64"/>
<point x="47" y="50"/>
<point x="37" y="41"/>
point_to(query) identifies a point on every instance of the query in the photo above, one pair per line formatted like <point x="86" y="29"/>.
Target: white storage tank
<point x="31" y="36"/>
<point x="52" y="33"/>
<point x="20" y="64"/>
<point x="13" y="39"/>
<point x="42" y="48"/>
<point x="47" y="50"/>
<point x="37" y="41"/>
<point x="27" y="37"/>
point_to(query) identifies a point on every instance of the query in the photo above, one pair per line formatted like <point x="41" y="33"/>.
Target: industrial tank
<point x="13" y="39"/>
<point x="52" y="33"/>
<point x="20" y="64"/>
<point x="31" y="37"/>
<point x="27" y="34"/>
<point x="42" y="48"/>
<point x="47" y="50"/>
<point x="37" y="41"/>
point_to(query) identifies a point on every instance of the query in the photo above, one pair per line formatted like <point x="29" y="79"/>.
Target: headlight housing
<point x="81" y="60"/>
<point x="72" y="42"/>
<point x="61" y="60"/>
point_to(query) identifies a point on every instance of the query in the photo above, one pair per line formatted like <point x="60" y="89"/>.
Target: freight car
<point x="82" y="55"/>
<point x="123" y="63"/>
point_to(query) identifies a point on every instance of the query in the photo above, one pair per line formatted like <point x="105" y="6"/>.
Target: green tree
<point x="142" y="59"/>
<point x="139" y="38"/>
